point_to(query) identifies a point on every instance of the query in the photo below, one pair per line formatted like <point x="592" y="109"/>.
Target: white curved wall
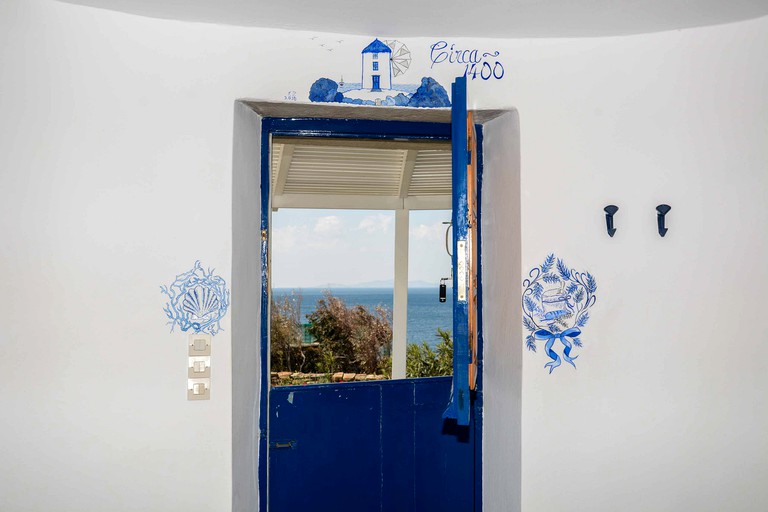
<point x="115" y="175"/>
<point x="667" y="410"/>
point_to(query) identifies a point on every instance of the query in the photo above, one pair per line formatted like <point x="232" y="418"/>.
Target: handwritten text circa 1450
<point x="477" y="64"/>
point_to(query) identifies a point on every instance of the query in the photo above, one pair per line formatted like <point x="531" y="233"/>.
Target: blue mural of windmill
<point x="381" y="62"/>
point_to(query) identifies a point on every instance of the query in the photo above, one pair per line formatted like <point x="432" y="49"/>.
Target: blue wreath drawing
<point x="197" y="300"/>
<point x="556" y="301"/>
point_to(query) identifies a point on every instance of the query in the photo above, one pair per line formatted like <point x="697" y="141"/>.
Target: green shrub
<point x="286" y="334"/>
<point x="352" y="339"/>
<point x="423" y="361"/>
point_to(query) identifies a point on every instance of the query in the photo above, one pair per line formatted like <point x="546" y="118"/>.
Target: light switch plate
<point x="195" y="364"/>
<point x="199" y="344"/>
<point x="198" y="389"/>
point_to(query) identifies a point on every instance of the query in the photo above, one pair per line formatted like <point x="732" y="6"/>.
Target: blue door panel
<point x="323" y="450"/>
<point x="381" y="446"/>
<point x="459" y="405"/>
<point x="397" y="438"/>
<point x="444" y="453"/>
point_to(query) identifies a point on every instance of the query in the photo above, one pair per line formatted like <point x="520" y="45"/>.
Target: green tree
<point x="352" y="339"/>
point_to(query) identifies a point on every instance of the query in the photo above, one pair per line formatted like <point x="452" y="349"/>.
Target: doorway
<point x="256" y="121"/>
<point x="382" y="444"/>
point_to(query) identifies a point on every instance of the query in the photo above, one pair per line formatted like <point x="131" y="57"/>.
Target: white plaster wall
<point x="246" y="308"/>
<point x="115" y="175"/>
<point x="502" y="357"/>
<point x="667" y="410"/>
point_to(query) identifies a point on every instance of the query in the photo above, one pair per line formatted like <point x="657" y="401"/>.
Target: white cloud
<point x="379" y="223"/>
<point x="329" y="225"/>
<point x="435" y="231"/>
<point x="289" y="237"/>
<point x="326" y="244"/>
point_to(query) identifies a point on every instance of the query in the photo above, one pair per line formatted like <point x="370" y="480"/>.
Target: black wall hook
<point x="610" y="211"/>
<point x="662" y="210"/>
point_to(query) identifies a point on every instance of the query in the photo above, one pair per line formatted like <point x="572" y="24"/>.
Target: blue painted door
<point x="464" y="256"/>
<point x="376" y="82"/>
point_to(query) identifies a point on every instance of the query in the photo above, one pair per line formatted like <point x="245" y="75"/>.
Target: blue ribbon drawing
<point x="557" y="298"/>
<point x="543" y="334"/>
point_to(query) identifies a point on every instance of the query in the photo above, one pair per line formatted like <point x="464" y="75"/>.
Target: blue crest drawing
<point x="380" y="63"/>
<point x="556" y="301"/>
<point x="197" y="300"/>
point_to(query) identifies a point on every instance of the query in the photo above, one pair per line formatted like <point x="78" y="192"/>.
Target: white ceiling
<point x="482" y="18"/>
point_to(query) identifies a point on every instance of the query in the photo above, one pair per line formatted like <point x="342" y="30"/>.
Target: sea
<point x="425" y="312"/>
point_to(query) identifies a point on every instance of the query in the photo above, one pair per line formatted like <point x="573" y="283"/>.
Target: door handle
<point x="283" y="445"/>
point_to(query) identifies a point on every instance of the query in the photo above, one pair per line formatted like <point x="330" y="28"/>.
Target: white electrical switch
<point x="199" y="367"/>
<point x="199" y="344"/>
<point x="199" y="389"/>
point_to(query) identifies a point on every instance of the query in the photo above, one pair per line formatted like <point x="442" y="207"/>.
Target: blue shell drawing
<point x="200" y="303"/>
<point x="556" y="301"/>
<point x="198" y="300"/>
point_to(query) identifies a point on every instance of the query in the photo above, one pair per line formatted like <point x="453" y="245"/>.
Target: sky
<point x="318" y="248"/>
